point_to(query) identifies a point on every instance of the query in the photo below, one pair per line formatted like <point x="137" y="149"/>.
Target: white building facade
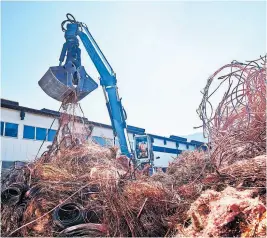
<point x="26" y="133"/>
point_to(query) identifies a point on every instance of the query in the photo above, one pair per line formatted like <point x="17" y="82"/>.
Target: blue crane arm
<point x="109" y="83"/>
<point x="102" y="65"/>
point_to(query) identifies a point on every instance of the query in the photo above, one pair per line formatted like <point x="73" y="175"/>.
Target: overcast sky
<point x="162" y="53"/>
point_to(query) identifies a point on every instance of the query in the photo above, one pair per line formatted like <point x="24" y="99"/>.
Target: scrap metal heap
<point x="78" y="188"/>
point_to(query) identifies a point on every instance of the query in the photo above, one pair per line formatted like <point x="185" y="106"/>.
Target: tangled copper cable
<point x="239" y="120"/>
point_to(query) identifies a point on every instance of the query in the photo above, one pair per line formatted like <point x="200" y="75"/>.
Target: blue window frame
<point x="11" y="129"/>
<point x="40" y="133"/>
<point x="29" y="132"/>
<point x="51" y="134"/>
<point x="2" y="128"/>
<point x="166" y="150"/>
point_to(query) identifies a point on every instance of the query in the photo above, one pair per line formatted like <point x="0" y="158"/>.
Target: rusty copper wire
<point x="230" y="213"/>
<point x="236" y="128"/>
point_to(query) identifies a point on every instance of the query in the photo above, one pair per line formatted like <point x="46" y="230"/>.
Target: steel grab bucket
<point x="59" y="82"/>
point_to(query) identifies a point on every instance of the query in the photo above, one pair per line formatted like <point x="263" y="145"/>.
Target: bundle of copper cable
<point x="236" y="128"/>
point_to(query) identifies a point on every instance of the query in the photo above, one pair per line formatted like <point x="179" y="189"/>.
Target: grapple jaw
<point x="61" y="82"/>
<point x="70" y="82"/>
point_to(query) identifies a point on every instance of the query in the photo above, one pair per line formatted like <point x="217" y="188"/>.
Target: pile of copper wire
<point x="236" y="128"/>
<point x="78" y="188"/>
<point x="226" y="186"/>
<point x="230" y="213"/>
<point x="87" y="191"/>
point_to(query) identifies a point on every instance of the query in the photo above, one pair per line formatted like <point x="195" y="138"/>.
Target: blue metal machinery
<point x="70" y="78"/>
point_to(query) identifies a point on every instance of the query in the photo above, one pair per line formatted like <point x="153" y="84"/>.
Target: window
<point x="102" y="141"/>
<point x="99" y="140"/>
<point x="7" y="164"/>
<point x="2" y="128"/>
<point x="165" y="142"/>
<point x="40" y="133"/>
<point x="11" y="129"/>
<point x="29" y="132"/>
<point x="51" y="134"/>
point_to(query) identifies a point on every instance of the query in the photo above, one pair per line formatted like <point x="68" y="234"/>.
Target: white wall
<point x="13" y="149"/>
<point x="191" y="147"/>
<point x="182" y="146"/>
<point x="164" y="160"/>
<point x="103" y="132"/>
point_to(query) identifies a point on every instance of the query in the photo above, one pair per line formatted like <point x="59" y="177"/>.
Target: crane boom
<point x="60" y="81"/>
<point x="109" y="83"/>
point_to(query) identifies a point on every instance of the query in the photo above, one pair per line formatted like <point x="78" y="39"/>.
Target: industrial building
<point x="24" y="130"/>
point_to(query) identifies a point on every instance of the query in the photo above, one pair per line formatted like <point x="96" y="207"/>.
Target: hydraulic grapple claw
<point x="60" y="81"/>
